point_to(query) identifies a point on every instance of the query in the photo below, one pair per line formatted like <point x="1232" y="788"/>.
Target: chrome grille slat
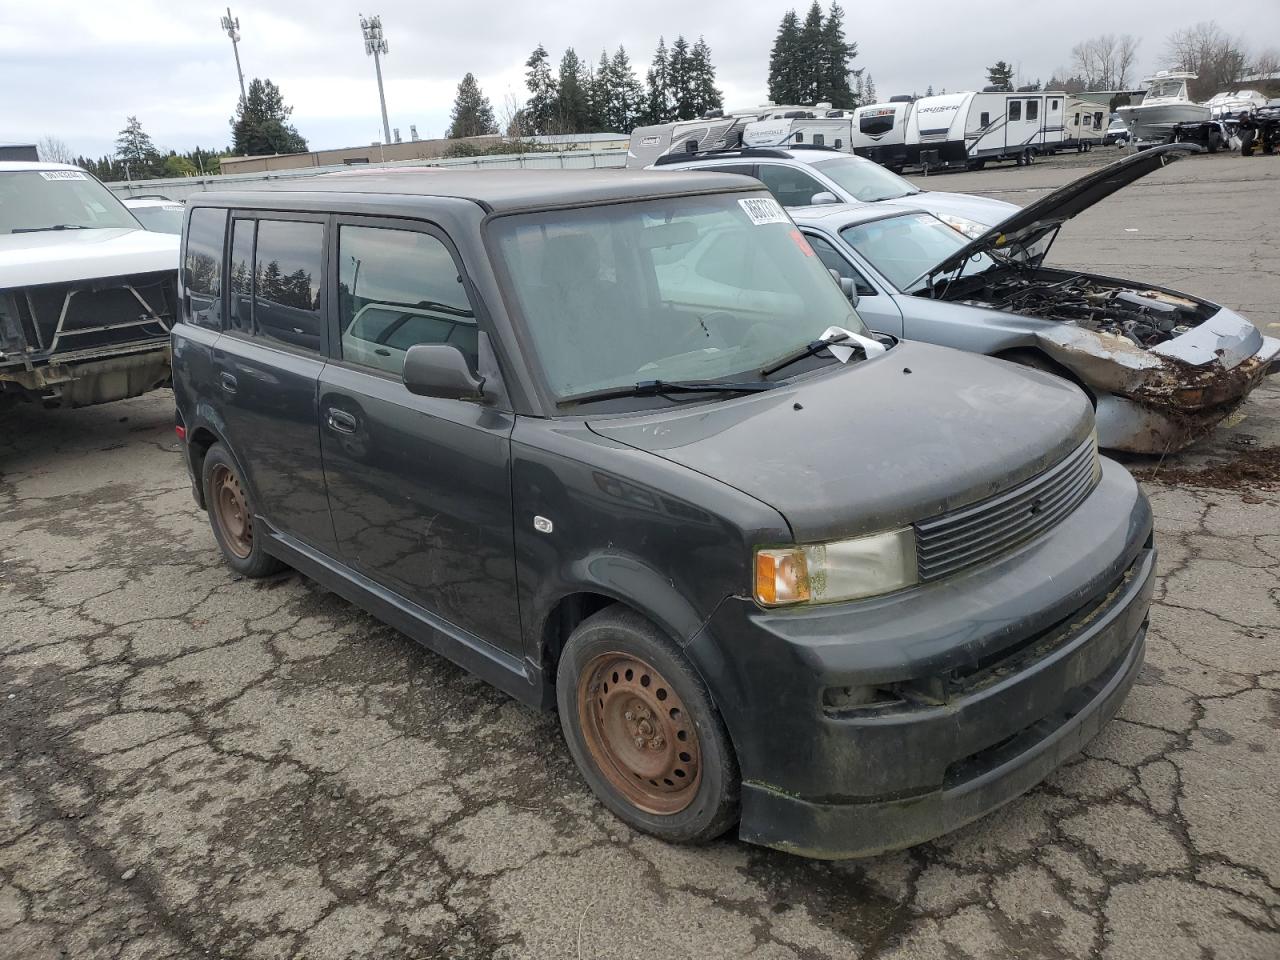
<point x="982" y="531"/>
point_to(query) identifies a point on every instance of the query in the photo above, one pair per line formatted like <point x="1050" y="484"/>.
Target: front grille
<point x="982" y="531"/>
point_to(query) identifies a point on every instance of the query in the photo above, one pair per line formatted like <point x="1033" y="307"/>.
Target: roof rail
<point x="148" y="196"/>
<point x="769" y="153"/>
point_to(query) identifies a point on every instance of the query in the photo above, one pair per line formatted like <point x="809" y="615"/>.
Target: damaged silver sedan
<point x="1162" y="367"/>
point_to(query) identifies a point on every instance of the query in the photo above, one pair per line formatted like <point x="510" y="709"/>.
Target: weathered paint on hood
<point x="872" y="446"/>
<point x="59" y="256"/>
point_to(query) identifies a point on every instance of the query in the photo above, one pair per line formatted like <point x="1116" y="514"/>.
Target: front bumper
<point x="987" y="682"/>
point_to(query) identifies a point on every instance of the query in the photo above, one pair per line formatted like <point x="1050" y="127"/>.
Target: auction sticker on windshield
<point x="64" y="175"/>
<point x="764" y="210"/>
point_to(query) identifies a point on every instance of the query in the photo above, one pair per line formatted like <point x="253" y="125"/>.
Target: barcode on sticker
<point x="64" y="175"/>
<point x="764" y="210"/>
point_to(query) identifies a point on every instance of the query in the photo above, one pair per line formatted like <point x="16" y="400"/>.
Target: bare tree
<point x="1105" y="62"/>
<point x="53" y="150"/>
<point x="1205" y="50"/>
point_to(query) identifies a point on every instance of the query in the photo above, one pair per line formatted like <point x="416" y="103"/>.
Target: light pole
<point x="232" y="26"/>
<point x="374" y="45"/>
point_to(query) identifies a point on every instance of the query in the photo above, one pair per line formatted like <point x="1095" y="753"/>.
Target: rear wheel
<point x="232" y="518"/>
<point x="642" y="728"/>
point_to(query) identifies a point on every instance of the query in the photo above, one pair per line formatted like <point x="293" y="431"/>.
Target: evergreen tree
<point x="836" y="69"/>
<point x="1000" y="75"/>
<point x="625" y="97"/>
<point x="869" y="91"/>
<point x="472" y="114"/>
<point x="540" y="111"/>
<point x="602" y="92"/>
<point x="136" y="152"/>
<point x="657" y="100"/>
<point x="929" y="91"/>
<point x="573" y="106"/>
<point x="261" y="124"/>
<point x="810" y="68"/>
<point x="784" y="84"/>
<point x="702" y="80"/>
<point x="679" y="92"/>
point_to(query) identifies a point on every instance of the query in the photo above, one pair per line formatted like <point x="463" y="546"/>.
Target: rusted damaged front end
<point x="1161" y="398"/>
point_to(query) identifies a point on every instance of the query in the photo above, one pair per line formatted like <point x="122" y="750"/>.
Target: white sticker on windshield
<point x="764" y="210"/>
<point x="64" y="175"/>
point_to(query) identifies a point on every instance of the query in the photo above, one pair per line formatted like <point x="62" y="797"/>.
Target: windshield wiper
<point x="657" y="388"/>
<point x="811" y="350"/>
<point x="56" y="226"/>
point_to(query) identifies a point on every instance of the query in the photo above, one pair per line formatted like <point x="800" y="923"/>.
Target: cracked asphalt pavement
<point x="195" y="765"/>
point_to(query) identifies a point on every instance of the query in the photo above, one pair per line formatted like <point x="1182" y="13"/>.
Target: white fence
<point x="179" y="188"/>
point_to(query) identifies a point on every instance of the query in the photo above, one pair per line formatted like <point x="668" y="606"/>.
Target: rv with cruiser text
<point x="968" y="129"/>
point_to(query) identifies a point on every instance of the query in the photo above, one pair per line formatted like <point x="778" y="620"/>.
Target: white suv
<point x="801" y="176"/>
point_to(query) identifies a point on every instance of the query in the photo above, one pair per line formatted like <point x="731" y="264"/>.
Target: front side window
<point x="32" y="201"/>
<point x="863" y="180"/>
<point x="202" y="266"/>
<point x="792" y="187"/>
<point x="397" y="289"/>
<point x="701" y="288"/>
<point x="166" y="218"/>
<point x="1015" y="109"/>
<point x="288" y="266"/>
<point x="832" y="260"/>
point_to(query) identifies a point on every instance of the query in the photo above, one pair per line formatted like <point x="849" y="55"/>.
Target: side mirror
<point x="439" y="370"/>
<point x="847" y="287"/>
<point x="823" y="196"/>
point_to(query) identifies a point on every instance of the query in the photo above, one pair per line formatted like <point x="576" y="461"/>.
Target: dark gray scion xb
<point x="618" y="444"/>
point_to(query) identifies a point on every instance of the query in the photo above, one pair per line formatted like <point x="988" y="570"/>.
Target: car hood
<point x="876" y="444"/>
<point x="981" y="210"/>
<point x="1021" y="234"/>
<point x="59" y="256"/>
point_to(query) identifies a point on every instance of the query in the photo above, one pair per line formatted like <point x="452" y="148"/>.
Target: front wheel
<point x="641" y="727"/>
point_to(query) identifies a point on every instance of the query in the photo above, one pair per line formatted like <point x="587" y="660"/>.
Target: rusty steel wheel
<point x="639" y="733"/>
<point x="231" y="508"/>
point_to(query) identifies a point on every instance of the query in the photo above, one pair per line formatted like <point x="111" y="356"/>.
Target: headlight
<point x="840" y="570"/>
<point x="970" y="228"/>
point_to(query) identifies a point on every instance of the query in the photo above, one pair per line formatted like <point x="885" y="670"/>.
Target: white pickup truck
<point x="87" y="296"/>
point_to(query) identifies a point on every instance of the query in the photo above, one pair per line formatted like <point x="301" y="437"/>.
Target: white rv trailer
<point x="785" y="126"/>
<point x="679" y="136"/>
<point x="1084" y="124"/>
<point x="880" y="131"/>
<point x="968" y="129"/>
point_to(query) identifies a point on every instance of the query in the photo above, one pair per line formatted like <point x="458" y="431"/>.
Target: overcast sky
<point x="76" y="70"/>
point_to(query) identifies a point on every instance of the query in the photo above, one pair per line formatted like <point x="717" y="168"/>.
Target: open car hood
<point x="1020" y="235"/>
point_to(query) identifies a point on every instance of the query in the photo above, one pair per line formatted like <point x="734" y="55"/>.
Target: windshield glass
<point x="163" y="219"/>
<point x="33" y="200"/>
<point x="906" y="248"/>
<point x="699" y="288"/>
<point x="864" y="180"/>
<point x="1167" y="88"/>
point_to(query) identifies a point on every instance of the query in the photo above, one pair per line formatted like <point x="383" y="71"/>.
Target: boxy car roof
<point x="497" y="191"/>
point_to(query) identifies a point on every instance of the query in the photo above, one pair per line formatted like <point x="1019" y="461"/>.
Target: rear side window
<point x="398" y="289"/>
<point x="288" y="270"/>
<point x="1015" y="109"/>
<point x="1033" y="109"/>
<point x="202" y="266"/>
<point x="240" y="279"/>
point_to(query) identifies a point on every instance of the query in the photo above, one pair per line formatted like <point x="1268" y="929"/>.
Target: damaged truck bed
<point x="1161" y="366"/>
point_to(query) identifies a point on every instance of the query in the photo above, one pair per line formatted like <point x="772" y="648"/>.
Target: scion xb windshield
<point x="690" y="288"/>
<point x="37" y="200"/>
<point x="906" y="248"/>
<point x="866" y="181"/>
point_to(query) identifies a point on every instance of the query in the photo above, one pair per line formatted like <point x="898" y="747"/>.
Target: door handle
<point x="340" y="421"/>
<point x="228" y="382"/>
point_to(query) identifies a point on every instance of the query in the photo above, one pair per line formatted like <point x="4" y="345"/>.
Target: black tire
<point x="713" y="802"/>
<point x="246" y="558"/>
